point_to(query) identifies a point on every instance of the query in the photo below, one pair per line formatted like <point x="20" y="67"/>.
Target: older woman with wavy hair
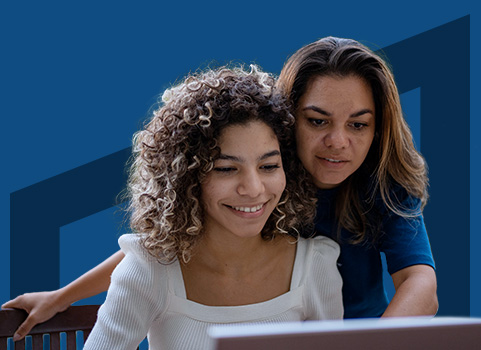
<point x="218" y="198"/>
<point x="353" y="140"/>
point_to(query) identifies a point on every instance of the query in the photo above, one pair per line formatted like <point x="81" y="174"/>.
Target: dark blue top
<point x="404" y="242"/>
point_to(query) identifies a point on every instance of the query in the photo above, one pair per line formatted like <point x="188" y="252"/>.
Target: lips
<point x="333" y="160"/>
<point x="248" y="209"/>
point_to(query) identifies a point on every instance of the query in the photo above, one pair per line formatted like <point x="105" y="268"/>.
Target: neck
<point x="233" y="255"/>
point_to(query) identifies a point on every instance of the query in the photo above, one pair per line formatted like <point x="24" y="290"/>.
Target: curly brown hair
<point x="178" y="146"/>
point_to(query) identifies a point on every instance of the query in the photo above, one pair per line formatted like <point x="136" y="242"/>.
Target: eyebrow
<point x="327" y="114"/>
<point x="240" y="160"/>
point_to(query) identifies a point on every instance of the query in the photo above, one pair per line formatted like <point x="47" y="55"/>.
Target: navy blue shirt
<point x="404" y="242"/>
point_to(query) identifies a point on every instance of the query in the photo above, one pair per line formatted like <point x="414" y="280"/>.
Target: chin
<point x="327" y="184"/>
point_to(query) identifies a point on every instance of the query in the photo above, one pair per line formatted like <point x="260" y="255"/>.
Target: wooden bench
<point x="66" y="324"/>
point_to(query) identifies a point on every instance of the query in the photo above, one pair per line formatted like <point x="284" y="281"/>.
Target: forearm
<point x="91" y="283"/>
<point x="415" y="292"/>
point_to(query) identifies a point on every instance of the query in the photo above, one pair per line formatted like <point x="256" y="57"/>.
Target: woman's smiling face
<point x="335" y="126"/>
<point x="246" y="183"/>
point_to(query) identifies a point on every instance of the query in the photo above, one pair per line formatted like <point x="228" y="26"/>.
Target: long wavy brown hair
<point x="392" y="160"/>
<point x="178" y="146"/>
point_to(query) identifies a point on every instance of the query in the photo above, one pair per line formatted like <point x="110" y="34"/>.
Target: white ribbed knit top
<point x="148" y="298"/>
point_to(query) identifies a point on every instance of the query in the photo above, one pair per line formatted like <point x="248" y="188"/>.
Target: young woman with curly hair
<point x="216" y="201"/>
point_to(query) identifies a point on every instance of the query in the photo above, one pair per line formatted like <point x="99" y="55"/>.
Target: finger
<point x="10" y="303"/>
<point x="16" y="304"/>
<point x="24" y="328"/>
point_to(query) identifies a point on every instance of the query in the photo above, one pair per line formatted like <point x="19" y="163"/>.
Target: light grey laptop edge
<point x="410" y="333"/>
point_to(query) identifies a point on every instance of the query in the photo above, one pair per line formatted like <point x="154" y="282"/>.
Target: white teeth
<point x="249" y="209"/>
<point x="333" y="160"/>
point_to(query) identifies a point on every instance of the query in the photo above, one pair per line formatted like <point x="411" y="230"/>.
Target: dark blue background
<point x="78" y="79"/>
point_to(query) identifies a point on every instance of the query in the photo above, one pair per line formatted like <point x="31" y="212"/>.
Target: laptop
<point x="410" y="333"/>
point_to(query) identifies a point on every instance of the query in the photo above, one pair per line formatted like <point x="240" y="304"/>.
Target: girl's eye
<point x="317" y="122"/>
<point x="224" y="169"/>
<point x="270" y="167"/>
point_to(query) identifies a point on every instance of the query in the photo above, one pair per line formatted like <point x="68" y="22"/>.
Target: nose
<point x="251" y="184"/>
<point x="337" y="139"/>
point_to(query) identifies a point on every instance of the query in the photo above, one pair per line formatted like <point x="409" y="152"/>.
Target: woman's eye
<point x="358" y="125"/>
<point x="317" y="122"/>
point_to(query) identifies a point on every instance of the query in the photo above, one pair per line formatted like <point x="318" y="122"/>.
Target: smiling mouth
<point x="333" y="160"/>
<point x="247" y="209"/>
